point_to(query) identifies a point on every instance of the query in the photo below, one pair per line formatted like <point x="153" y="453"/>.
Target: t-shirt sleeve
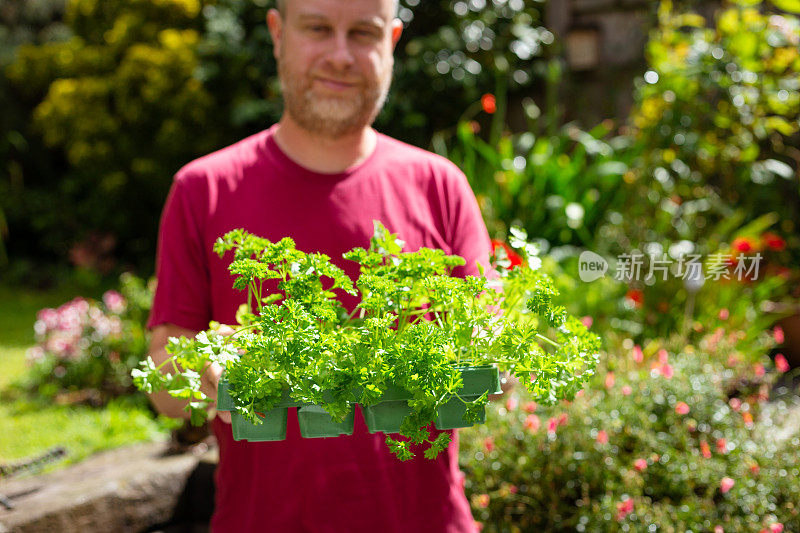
<point x="183" y="289"/>
<point x="468" y="235"/>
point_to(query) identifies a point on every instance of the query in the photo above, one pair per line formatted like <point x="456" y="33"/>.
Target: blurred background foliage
<point x="105" y="100"/>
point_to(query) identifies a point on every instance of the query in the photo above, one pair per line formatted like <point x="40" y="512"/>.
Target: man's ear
<point x="275" y="25"/>
<point x="397" y="31"/>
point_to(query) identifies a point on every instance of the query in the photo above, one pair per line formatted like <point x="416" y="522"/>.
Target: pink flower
<point x="602" y="437"/>
<point x="735" y="404"/>
<point x="609" y="380"/>
<point x="776" y="527"/>
<point x="626" y="390"/>
<point x="722" y="446"/>
<point x="667" y="371"/>
<point x="777" y="333"/>
<point x="663" y="356"/>
<point x="532" y="423"/>
<point x="718" y="529"/>
<point x="478" y="525"/>
<point x="724" y="314"/>
<point x="759" y="369"/>
<point x="511" y="404"/>
<point x="513" y="489"/>
<point x="726" y="484"/>
<point x="552" y="424"/>
<point x="530" y="407"/>
<point x="640" y="465"/>
<point x="638" y="356"/>
<point x="114" y="302"/>
<point x="624" y="508"/>
<point x="488" y="444"/>
<point x="682" y="408"/>
<point x="781" y="363"/>
<point x="563" y="419"/>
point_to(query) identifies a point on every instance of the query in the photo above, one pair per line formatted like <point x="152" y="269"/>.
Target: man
<point x="321" y="175"/>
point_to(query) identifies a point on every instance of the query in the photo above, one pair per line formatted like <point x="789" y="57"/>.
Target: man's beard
<point x="328" y="115"/>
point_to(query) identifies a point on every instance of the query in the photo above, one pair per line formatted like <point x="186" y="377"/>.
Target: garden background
<point x="612" y="126"/>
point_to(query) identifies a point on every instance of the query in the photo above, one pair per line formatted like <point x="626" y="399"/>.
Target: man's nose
<point x="340" y="55"/>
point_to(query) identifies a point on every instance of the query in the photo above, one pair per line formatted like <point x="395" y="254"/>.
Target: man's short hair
<point x="281" y="5"/>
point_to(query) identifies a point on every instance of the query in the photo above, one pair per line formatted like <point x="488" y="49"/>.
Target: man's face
<point x="335" y="61"/>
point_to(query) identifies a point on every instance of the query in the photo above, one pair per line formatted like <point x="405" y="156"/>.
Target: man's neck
<point x="324" y="154"/>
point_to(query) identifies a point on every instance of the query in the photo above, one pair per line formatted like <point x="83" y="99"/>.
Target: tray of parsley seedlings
<point x="421" y="347"/>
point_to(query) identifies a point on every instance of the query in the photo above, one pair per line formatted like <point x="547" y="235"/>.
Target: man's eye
<point x="318" y="29"/>
<point x="364" y="33"/>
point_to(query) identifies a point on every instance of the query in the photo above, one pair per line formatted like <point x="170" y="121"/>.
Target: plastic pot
<point x="388" y="414"/>
<point x="315" y="423"/>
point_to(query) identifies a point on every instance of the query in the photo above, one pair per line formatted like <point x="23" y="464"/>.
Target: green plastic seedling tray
<point x="385" y="416"/>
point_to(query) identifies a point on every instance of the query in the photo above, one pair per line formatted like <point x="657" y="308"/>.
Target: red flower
<point x="563" y="419"/>
<point x="488" y="444"/>
<point x="602" y="437"/>
<point x="754" y="469"/>
<point x="682" y="408"/>
<point x="552" y="424"/>
<point x="735" y="404"/>
<point x="638" y="356"/>
<point x="663" y="356"/>
<point x="530" y="407"/>
<point x="781" y="363"/>
<point x="609" y="380"/>
<point x="489" y="103"/>
<point x="748" y="420"/>
<point x="667" y="371"/>
<point x="532" y="423"/>
<point x="744" y="245"/>
<point x="511" y="404"/>
<point x="777" y="333"/>
<point x="776" y="527"/>
<point x="624" y="508"/>
<point x="724" y="314"/>
<point x="759" y="369"/>
<point x="513" y="257"/>
<point x="705" y="450"/>
<point x="640" y="465"/>
<point x="722" y="446"/>
<point x="773" y="241"/>
<point x="636" y="297"/>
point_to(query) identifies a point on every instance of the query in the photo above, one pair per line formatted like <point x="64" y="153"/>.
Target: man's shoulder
<point x="224" y="163"/>
<point x="405" y="154"/>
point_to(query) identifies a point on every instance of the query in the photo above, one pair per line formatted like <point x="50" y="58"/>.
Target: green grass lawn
<point x="29" y="427"/>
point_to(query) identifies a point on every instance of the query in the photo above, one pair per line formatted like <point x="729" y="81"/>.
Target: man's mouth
<point x="334" y="84"/>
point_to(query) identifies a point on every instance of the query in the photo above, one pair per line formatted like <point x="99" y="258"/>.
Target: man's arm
<point x="162" y="401"/>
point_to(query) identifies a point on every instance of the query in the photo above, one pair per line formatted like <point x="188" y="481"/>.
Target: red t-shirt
<point x="345" y="484"/>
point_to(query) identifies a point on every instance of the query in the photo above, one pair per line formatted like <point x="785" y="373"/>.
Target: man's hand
<point x="209" y="380"/>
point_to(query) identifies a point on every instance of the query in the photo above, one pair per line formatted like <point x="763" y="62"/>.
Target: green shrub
<point x="650" y="444"/>
<point x="559" y="188"/>
<point x="717" y="114"/>
<point x="85" y="350"/>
